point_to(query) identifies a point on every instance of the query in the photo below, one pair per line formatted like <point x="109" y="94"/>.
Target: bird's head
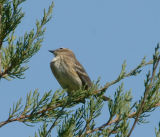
<point x="62" y="51"/>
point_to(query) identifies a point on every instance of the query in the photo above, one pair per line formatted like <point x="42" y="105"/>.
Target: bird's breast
<point x="65" y="74"/>
<point x="58" y="67"/>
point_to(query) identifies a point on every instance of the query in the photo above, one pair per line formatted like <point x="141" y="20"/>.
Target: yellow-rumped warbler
<point x="68" y="71"/>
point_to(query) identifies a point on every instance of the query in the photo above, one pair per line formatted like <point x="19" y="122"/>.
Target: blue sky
<point x="102" y="34"/>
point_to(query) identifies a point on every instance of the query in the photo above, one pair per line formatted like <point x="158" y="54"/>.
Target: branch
<point x="18" y="52"/>
<point x="109" y="122"/>
<point x="23" y="117"/>
<point x="147" y="89"/>
<point x="75" y="100"/>
<point x="54" y="123"/>
<point x="139" y="111"/>
<point x="131" y="73"/>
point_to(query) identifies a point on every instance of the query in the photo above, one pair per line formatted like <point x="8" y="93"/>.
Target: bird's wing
<point x="82" y="74"/>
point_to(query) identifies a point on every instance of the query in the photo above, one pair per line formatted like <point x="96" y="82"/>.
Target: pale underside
<point x="65" y="74"/>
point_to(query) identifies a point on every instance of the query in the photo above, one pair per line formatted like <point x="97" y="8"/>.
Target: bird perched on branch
<point x="68" y="71"/>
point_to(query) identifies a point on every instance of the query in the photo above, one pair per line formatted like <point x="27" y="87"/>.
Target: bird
<point x="68" y="71"/>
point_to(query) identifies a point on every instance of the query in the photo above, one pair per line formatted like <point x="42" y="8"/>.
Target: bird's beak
<point x="52" y="51"/>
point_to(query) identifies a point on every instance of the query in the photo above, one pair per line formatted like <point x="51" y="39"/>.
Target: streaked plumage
<point x="68" y="71"/>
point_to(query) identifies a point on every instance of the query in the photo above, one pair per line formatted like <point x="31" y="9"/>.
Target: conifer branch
<point x="149" y="84"/>
<point x="110" y="122"/>
<point x="61" y="103"/>
<point x="18" y="52"/>
<point x="123" y="74"/>
<point x="146" y="104"/>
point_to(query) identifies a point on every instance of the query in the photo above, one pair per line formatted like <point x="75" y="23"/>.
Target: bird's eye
<point x="60" y="48"/>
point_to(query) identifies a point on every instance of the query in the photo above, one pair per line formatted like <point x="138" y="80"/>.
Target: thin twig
<point x="50" y="129"/>
<point x="23" y="117"/>
<point x="109" y="122"/>
<point x="144" y="98"/>
<point x="108" y="84"/>
<point x="83" y="130"/>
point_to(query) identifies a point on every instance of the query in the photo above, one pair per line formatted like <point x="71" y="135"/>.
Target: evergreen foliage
<point x="17" y="51"/>
<point x="54" y="109"/>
